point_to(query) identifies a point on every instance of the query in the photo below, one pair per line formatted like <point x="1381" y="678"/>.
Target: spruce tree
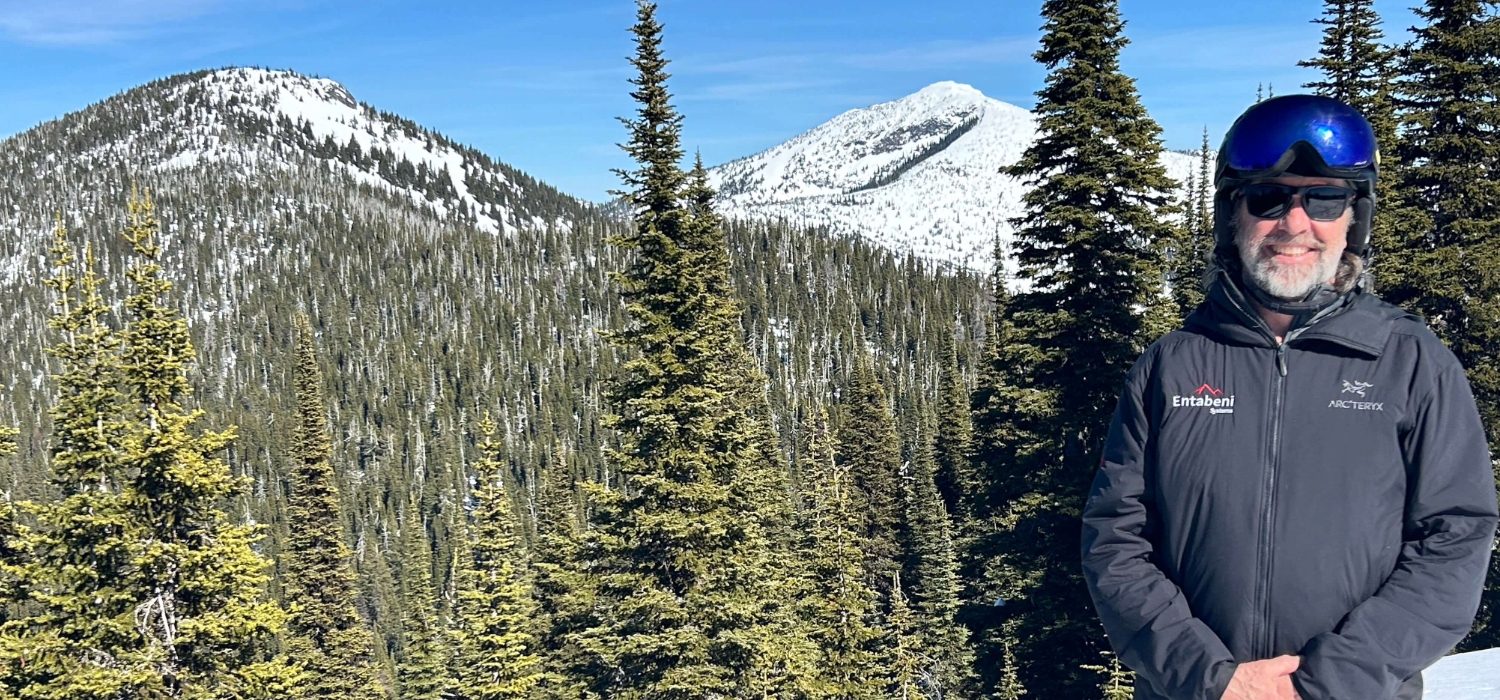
<point x="1449" y="194"/>
<point x="868" y="448"/>
<point x="138" y="583"/>
<point x="954" y="477"/>
<point x="672" y="543"/>
<point x="1359" y="70"/>
<point x="78" y="555"/>
<point x="327" y="635"/>
<point x="1118" y="682"/>
<point x="200" y="614"/>
<point x="906" y="666"/>
<point x="933" y="576"/>
<point x="1009" y="686"/>
<point x="840" y="610"/>
<point x="1087" y="245"/>
<point x="560" y="584"/>
<point x="422" y="670"/>
<point x="496" y="657"/>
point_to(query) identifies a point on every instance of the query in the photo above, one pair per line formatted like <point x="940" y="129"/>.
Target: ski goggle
<point x="1270" y="200"/>
<point x="1261" y="138"/>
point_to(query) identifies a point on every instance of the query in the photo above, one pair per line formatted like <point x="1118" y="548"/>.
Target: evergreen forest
<point x="292" y="436"/>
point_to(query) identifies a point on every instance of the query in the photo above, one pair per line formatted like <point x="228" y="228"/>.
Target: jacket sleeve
<point x="1145" y="614"/>
<point x="1428" y="602"/>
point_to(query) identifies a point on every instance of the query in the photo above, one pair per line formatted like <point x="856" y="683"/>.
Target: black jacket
<point x="1330" y="497"/>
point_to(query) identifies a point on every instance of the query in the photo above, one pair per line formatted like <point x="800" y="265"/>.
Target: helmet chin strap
<point x="1318" y="298"/>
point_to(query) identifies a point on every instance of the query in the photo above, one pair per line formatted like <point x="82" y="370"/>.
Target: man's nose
<point x="1295" y="219"/>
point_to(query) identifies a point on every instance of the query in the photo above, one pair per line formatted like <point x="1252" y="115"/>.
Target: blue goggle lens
<point x="1339" y="134"/>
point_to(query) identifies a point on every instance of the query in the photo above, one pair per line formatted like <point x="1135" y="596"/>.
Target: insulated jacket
<point x="1331" y="496"/>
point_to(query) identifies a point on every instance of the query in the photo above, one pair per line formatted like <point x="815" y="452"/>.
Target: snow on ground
<point x="1471" y="676"/>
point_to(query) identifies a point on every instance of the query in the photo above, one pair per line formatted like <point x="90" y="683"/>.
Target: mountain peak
<point x="949" y="87"/>
<point x="919" y="174"/>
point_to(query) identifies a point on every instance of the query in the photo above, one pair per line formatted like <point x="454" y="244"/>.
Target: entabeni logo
<point x="1206" y="396"/>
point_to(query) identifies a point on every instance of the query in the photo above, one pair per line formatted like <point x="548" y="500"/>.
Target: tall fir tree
<point x="906" y="665"/>
<point x="1360" y="70"/>
<point x="79" y="639"/>
<point x="497" y="652"/>
<point x="869" y="449"/>
<point x="1449" y="216"/>
<point x="841" y="607"/>
<point x="561" y="585"/>
<point x="201" y="615"/>
<point x="1194" y="245"/>
<point x="955" y="477"/>
<point x="1118" y="682"/>
<point x="671" y="543"/>
<point x="422" y="670"/>
<point x="1087" y="245"/>
<point x="933" y="575"/>
<point x="559" y="581"/>
<point x="139" y="583"/>
<point x="334" y="645"/>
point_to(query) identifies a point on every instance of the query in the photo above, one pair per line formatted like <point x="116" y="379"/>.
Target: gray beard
<point x="1264" y="273"/>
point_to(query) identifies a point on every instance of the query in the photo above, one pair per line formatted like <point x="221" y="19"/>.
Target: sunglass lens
<point x="1325" y="203"/>
<point x="1266" y="201"/>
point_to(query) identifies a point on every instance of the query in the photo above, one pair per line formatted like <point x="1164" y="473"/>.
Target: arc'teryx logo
<point x="1357" y="388"/>
<point x="1205" y="396"/>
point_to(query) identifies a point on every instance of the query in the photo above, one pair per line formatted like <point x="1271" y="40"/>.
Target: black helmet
<point x="1301" y="135"/>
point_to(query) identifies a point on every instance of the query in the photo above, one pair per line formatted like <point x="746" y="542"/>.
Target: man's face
<point x="1291" y="255"/>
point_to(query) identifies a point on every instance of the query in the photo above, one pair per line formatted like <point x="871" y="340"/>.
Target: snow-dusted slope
<point x="257" y="122"/>
<point x="1471" y="676"/>
<point x="918" y="174"/>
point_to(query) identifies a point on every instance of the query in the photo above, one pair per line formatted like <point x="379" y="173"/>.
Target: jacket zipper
<point x="1263" y="585"/>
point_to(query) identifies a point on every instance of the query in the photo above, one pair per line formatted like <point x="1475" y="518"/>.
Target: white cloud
<point x="93" y="22"/>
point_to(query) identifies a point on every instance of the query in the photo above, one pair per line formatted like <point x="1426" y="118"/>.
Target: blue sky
<point x="539" y="84"/>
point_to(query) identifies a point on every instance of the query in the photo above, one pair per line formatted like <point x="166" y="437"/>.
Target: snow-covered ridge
<point x="254" y="121"/>
<point x="920" y="174"/>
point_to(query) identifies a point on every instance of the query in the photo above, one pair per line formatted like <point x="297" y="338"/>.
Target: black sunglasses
<point x="1269" y="200"/>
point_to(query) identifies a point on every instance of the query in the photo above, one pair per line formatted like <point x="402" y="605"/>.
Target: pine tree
<point x="955" y="478"/>
<point x="1360" y="71"/>
<point x="841" y="607"/>
<point x="497" y="657"/>
<point x="561" y="588"/>
<point x="1087" y="245"/>
<point x="1449" y="192"/>
<point x="560" y="584"/>
<point x="868" y="448"/>
<point x="423" y="667"/>
<point x="1118" y="682"/>
<point x="200" y="615"/>
<point x="906" y="665"/>
<point x="328" y="636"/>
<point x="1009" y="686"/>
<point x="140" y="585"/>
<point x="933" y="574"/>
<point x="671" y="544"/>
<point x="1193" y="245"/>
<point x="78" y="607"/>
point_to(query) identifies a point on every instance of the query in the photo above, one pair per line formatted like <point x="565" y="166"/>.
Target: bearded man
<point x="1295" y="498"/>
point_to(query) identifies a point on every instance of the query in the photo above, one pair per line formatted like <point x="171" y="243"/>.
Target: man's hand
<point x="1264" y="680"/>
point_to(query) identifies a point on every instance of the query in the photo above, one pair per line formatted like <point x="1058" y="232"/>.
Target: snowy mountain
<point x="919" y="174"/>
<point x="256" y="122"/>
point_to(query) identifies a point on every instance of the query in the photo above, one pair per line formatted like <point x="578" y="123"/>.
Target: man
<point x="1295" y="498"/>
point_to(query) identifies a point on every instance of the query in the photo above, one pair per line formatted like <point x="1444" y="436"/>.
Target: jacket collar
<point x="1359" y="321"/>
